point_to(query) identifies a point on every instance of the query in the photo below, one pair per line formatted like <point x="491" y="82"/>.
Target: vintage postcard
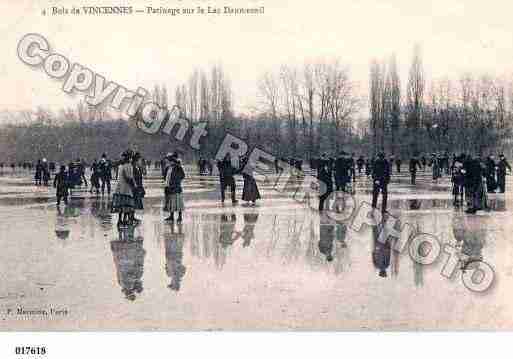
<point x="255" y="165"/>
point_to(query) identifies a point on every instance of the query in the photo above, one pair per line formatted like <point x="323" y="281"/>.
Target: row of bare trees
<point x="470" y="114"/>
<point x="203" y="97"/>
<point x="302" y="111"/>
<point x="312" y="108"/>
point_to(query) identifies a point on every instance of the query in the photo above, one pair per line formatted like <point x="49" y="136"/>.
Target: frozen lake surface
<point x="242" y="268"/>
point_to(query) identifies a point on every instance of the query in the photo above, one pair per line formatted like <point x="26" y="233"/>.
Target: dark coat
<point x="39" y="171"/>
<point x="226" y="170"/>
<point x="60" y="182"/>
<point x="343" y="169"/>
<point x="105" y="169"/>
<point x="175" y="180"/>
<point x="503" y="164"/>
<point x="490" y="167"/>
<point x="474" y="172"/>
<point x="414" y="163"/>
<point x="381" y="171"/>
<point x="324" y="175"/>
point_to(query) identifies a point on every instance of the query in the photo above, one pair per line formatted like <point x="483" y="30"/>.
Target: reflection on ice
<point x="471" y="234"/>
<point x="128" y="254"/>
<point x="174" y="241"/>
<point x="494" y="204"/>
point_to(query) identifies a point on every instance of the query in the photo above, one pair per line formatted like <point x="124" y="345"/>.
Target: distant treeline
<point x="61" y="141"/>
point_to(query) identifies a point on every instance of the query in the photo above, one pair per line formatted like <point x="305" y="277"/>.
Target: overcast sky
<point x="141" y="50"/>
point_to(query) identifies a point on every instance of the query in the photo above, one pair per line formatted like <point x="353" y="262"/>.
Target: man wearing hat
<point x="324" y="175"/>
<point x="342" y="171"/>
<point x="501" y="173"/>
<point x="474" y="173"/>
<point x="381" y="178"/>
<point x="105" y="167"/>
<point x="414" y="163"/>
<point x="491" y="183"/>
<point x="226" y="179"/>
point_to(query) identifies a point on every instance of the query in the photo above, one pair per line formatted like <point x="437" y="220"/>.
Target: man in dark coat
<point x="299" y="164"/>
<point x="423" y="160"/>
<point x="105" y="170"/>
<point x="226" y="173"/>
<point x="474" y="174"/>
<point x="46" y="172"/>
<point x="398" y="165"/>
<point x="414" y="163"/>
<point x="381" y="178"/>
<point x="501" y="173"/>
<point x="60" y="182"/>
<point x="324" y="175"/>
<point x="342" y="171"/>
<point x="491" y="183"/>
<point x="39" y="173"/>
<point x="458" y="179"/>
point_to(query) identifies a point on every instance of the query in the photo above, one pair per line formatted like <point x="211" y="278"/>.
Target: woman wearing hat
<point x="250" y="191"/>
<point x="123" y="198"/>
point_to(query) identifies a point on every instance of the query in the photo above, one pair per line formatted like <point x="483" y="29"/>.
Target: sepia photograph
<point x="255" y="165"/>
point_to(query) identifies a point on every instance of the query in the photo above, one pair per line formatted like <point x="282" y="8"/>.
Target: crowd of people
<point x="472" y="176"/>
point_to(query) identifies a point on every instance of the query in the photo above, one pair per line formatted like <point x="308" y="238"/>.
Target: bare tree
<point x="415" y="98"/>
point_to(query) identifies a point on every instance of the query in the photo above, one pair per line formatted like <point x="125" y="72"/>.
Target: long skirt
<point x="95" y="181"/>
<point x="62" y="191"/>
<point x="250" y="191"/>
<point x="138" y="203"/>
<point x="479" y="196"/>
<point x="175" y="202"/>
<point x="139" y="194"/>
<point x="122" y="203"/>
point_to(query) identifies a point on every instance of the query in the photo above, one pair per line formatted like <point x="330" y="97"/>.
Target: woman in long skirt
<point x="250" y="191"/>
<point x="123" y="198"/>
<point x="174" y="178"/>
